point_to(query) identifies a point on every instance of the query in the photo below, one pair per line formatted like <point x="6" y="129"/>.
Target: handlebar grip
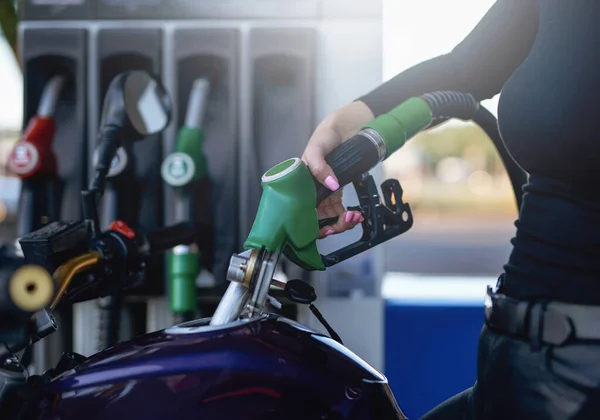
<point x="349" y="161"/>
<point x="24" y="289"/>
<point x="168" y="237"/>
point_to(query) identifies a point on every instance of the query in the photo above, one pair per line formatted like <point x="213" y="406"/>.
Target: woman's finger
<point x="346" y="221"/>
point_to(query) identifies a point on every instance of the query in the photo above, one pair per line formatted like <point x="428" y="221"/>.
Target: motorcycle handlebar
<point x="67" y="271"/>
<point x="168" y="237"/>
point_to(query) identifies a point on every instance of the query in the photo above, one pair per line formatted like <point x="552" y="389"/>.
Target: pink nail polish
<point x="331" y="183"/>
<point x="348" y="217"/>
<point x="362" y="219"/>
<point x="329" y="232"/>
<point x="356" y="217"/>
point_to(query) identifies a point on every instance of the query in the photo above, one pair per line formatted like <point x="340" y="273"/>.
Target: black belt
<point x="541" y="322"/>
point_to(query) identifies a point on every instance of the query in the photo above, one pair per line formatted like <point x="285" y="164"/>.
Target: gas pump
<point x="186" y="171"/>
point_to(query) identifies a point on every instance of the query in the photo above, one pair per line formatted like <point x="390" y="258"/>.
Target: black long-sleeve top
<point x="543" y="56"/>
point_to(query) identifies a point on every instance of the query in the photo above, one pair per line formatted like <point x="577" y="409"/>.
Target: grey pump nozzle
<point x="50" y="96"/>
<point x="197" y="103"/>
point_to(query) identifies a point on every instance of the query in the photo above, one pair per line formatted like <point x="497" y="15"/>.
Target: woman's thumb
<point x="321" y="170"/>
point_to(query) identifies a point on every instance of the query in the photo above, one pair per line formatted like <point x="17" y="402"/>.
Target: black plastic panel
<point x="282" y="101"/>
<point x="47" y="53"/>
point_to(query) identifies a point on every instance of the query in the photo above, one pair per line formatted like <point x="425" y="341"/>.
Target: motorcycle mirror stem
<point x="181" y="170"/>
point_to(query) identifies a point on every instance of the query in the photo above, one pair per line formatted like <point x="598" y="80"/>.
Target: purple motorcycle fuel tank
<point x="264" y="368"/>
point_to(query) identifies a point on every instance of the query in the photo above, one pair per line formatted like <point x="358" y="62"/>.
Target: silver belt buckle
<point x="487" y="303"/>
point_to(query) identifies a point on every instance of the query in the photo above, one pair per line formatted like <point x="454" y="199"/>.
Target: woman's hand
<point x="335" y="129"/>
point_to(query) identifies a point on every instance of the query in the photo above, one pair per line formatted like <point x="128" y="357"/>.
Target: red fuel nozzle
<point x="33" y="155"/>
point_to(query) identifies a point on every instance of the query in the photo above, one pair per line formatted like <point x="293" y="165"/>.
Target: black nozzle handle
<point x="168" y="237"/>
<point x="349" y="162"/>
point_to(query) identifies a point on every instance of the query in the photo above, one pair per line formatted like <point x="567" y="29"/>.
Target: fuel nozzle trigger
<point x="383" y="220"/>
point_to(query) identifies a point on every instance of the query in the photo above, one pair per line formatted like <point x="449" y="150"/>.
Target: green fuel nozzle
<point x="188" y="163"/>
<point x="286" y="220"/>
<point x="184" y="267"/>
<point x="286" y="216"/>
<point x="181" y="169"/>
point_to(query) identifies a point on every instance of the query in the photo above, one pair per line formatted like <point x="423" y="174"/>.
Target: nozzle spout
<point x="197" y="104"/>
<point x="50" y="96"/>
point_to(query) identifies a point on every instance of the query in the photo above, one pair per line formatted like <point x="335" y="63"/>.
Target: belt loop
<point x="536" y="324"/>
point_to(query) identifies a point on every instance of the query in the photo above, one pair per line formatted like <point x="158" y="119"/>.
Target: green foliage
<point x="453" y="140"/>
<point x="9" y="22"/>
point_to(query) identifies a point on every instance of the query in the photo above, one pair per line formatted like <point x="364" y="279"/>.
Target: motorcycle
<point x="246" y="361"/>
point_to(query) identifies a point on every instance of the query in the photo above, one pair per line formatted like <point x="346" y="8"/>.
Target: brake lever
<point x="383" y="221"/>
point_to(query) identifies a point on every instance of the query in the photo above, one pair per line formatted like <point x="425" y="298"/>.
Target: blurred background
<point x="432" y="278"/>
<point x="11" y="120"/>
<point x="462" y="199"/>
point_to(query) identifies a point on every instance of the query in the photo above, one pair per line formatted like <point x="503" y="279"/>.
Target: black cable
<point x="26" y="359"/>
<point x="322" y="320"/>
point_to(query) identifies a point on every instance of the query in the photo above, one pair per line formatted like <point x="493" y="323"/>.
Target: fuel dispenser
<point x="134" y="195"/>
<point x="186" y="171"/>
<point x="275" y="69"/>
<point x="51" y="158"/>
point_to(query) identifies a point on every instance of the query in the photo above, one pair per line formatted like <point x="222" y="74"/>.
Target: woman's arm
<point x="479" y="65"/>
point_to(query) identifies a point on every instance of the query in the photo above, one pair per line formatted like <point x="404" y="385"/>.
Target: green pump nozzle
<point x="181" y="170"/>
<point x="188" y="163"/>
<point x="287" y="221"/>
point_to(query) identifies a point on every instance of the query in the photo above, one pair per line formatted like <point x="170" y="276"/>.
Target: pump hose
<point x="518" y="177"/>
<point x="110" y="140"/>
<point x="110" y="320"/>
<point x="448" y="104"/>
<point x="361" y="153"/>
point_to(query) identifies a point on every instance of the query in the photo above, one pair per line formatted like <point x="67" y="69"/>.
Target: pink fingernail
<point x="329" y="232"/>
<point x="362" y="219"/>
<point x="348" y="217"/>
<point x="356" y="217"/>
<point x="331" y="183"/>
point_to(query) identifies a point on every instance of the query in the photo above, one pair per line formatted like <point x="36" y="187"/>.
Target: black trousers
<point x="516" y="380"/>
